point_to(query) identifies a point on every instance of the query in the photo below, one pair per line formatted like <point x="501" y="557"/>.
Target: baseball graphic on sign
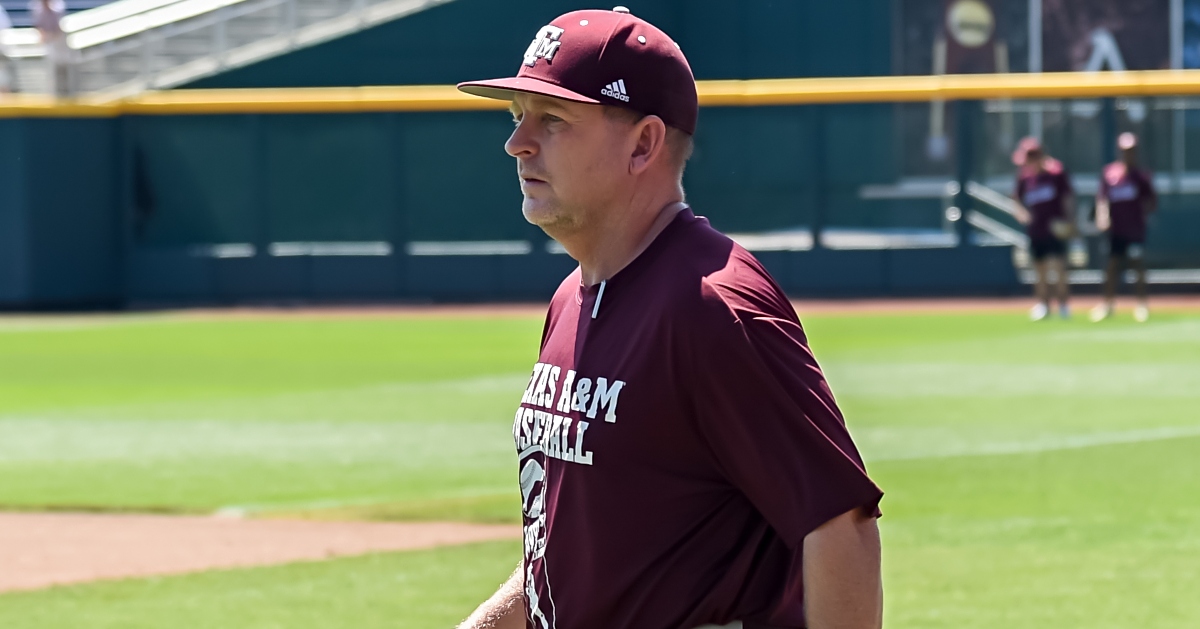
<point x="970" y="23"/>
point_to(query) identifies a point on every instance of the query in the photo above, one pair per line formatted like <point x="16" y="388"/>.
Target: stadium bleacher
<point x="18" y="10"/>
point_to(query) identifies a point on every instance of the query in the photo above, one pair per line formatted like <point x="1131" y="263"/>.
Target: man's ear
<point x="651" y="144"/>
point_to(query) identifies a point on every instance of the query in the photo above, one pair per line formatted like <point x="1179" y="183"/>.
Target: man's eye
<point x="551" y="118"/>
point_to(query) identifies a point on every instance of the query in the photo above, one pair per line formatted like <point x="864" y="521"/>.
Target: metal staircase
<point x="129" y="46"/>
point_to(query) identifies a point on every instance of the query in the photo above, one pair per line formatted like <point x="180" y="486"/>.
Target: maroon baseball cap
<point x="604" y="58"/>
<point x="1026" y="147"/>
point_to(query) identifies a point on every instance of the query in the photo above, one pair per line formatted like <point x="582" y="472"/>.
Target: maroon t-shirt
<point x="1128" y="191"/>
<point x="676" y="442"/>
<point x="1044" y="193"/>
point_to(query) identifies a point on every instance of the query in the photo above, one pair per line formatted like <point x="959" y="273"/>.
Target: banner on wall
<point x="1094" y="35"/>
<point x="969" y="33"/>
<point x="1191" y="34"/>
<point x="1099" y="35"/>
<point x="966" y="42"/>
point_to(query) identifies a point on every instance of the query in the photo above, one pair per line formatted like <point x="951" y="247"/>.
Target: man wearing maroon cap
<point x="682" y="462"/>
<point x="1046" y="205"/>
<point x="1126" y="197"/>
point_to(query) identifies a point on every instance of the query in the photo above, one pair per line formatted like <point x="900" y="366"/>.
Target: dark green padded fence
<point x="746" y="39"/>
<point x="136" y="209"/>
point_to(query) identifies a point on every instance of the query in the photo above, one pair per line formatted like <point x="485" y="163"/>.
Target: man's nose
<point x="520" y="143"/>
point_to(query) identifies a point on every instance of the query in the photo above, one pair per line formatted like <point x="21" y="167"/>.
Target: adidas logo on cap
<point x="616" y="90"/>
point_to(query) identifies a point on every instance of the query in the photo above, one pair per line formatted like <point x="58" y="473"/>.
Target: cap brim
<point x="503" y="89"/>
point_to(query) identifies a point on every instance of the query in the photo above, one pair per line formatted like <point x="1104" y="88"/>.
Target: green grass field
<point x="1037" y="475"/>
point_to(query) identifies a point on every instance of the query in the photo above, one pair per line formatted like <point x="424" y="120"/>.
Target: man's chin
<point x="541" y="214"/>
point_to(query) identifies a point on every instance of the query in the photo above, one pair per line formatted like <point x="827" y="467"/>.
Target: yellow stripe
<point x="309" y="100"/>
<point x="950" y="87"/>
<point x="39" y="106"/>
<point x="756" y="93"/>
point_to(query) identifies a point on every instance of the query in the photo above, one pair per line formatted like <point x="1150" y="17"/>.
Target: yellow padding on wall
<point x="755" y="93"/>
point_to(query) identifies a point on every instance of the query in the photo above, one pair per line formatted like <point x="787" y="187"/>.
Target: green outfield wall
<point x="746" y="39"/>
<point x="237" y="208"/>
<point x="142" y="202"/>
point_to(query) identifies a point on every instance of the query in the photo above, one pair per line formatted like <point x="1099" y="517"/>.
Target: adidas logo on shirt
<point x="616" y="90"/>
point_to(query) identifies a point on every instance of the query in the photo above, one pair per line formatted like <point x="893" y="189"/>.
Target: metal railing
<point x="130" y="46"/>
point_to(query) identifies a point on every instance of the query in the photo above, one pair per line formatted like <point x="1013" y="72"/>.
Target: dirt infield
<point x="39" y="550"/>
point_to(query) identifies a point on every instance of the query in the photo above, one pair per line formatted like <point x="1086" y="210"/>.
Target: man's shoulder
<point x="1055" y="167"/>
<point x="721" y="281"/>
<point x="1113" y="173"/>
<point x="568" y="290"/>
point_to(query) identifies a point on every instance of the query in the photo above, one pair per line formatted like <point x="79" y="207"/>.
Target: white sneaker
<point x="1141" y="313"/>
<point x="1064" y="311"/>
<point x="1101" y="312"/>
<point x="1038" y="312"/>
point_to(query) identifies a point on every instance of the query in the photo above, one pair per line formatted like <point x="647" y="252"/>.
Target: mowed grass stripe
<point x="1104" y="537"/>
<point x="416" y="440"/>
<point x="179" y="360"/>
<point x="1036" y="475"/>
<point x="1084" y="538"/>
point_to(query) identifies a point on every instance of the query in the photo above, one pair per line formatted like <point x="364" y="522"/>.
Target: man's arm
<point x="504" y="610"/>
<point x="1103" y="218"/>
<point x="843" y="588"/>
<point x="1069" y="208"/>
<point x="1020" y="212"/>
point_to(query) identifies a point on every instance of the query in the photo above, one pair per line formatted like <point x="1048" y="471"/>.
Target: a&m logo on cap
<point x="544" y="45"/>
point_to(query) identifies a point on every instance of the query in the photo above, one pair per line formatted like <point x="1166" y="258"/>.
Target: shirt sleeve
<point x="1102" y="190"/>
<point x="768" y="417"/>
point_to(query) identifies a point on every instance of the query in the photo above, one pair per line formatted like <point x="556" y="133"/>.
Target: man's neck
<point x="604" y="251"/>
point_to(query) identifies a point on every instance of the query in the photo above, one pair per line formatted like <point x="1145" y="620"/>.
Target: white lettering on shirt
<point x="564" y="445"/>
<point x="555" y="433"/>
<point x="1040" y="194"/>
<point x="531" y="418"/>
<point x="581" y="455"/>
<point x="605" y="397"/>
<point x="1123" y="192"/>
<point x="581" y="394"/>
<point x="564" y="402"/>
<point x="539" y="390"/>
<point x="551" y="383"/>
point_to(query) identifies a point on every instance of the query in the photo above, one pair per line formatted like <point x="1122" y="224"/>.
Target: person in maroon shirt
<point x="1126" y="197"/>
<point x="1046" y="205"/>
<point x="681" y="459"/>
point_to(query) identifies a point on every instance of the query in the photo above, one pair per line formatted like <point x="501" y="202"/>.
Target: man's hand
<point x="504" y="610"/>
<point x="843" y="588"/>
<point x="1022" y="214"/>
<point x="1103" y="218"/>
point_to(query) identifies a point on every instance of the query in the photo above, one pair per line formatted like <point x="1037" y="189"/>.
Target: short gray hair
<point x="680" y="144"/>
